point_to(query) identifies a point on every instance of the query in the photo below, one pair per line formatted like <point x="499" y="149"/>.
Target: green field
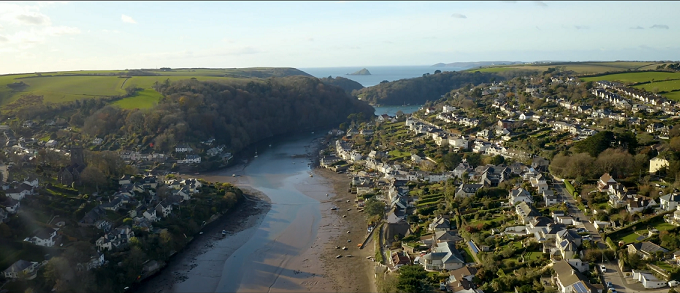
<point x="578" y="67"/>
<point x="142" y="100"/>
<point x="633" y="77"/>
<point x="56" y="87"/>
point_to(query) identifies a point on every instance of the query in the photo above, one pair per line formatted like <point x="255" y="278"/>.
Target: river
<point x="279" y="251"/>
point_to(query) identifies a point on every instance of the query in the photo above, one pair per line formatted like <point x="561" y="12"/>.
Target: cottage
<point x="44" y="237"/>
<point x="22" y="269"/>
<point x="183" y="148"/>
<point x="460" y="280"/>
<point x="526" y="212"/>
<point x="569" y="279"/>
<point x="444" y="256"/>
<point x="646" y="249"/>
<point x="669" y="202"/>
<point x="604" y="182"/>
<point x="439" y="224"/>
<point x="467" y="190"/>
<point x="520" y="195"/>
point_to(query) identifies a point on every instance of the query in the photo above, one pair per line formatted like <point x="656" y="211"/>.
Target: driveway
<point x="624" y="285"/>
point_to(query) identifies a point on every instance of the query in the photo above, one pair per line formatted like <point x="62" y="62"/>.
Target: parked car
<point x="603" y="268"/>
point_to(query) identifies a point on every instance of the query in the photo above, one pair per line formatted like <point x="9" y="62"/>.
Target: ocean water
<point x="378" y="73"/>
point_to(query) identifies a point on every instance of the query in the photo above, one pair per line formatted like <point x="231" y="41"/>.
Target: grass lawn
<point x="468" y="255"/>
<point x="629" y="238"/>
<point x="664" y="265"/>
<point x="142" y="100"/>
<point x="578" y="67"/>
<point x="663" y="226"/>
<point x="533" y="255"/>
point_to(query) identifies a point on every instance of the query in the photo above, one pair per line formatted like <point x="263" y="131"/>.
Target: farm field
<point x="632" y="77"/>
<point x="56" y="87"/>
<point x="578" y="67"/>
<point x="142" y="100"/>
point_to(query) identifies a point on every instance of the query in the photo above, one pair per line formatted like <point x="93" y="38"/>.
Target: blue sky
<point x="46" y="36"/>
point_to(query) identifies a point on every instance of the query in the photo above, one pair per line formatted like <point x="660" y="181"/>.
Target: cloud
<point x="36" y="19"/>
<point x="61" y="30"/>
<point x="660" y="26"/>
<point x="127" y="19"/>
<point x="637" y="28"/>
<point x="538" y="28"/>
<point x="539" y="3"/>
<point x="458" y="15"/>
<point x="310" y="39"/>
<point x="22" y="14"/>
<point x="388" y="42"/>
<point x="3" y="39"/>
<point x="581" y="27"/>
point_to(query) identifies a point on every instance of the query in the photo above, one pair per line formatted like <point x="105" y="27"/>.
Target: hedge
<point x="569" y="187"/>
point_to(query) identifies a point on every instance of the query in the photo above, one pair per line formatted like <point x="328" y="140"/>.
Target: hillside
<point x="345" y="83"/>
<point x="236" y="114"/>
<point x="421" y="89"/>
<point x="58" y="87"/>
<point x="476" y="64"/>
<point x="577" y="67"/>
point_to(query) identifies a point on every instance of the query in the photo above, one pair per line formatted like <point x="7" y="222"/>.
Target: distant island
<point x="360" y="72"/>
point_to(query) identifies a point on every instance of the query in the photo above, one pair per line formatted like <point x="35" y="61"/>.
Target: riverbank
<point x="198" y="267"/>
<point x="349" y="274"/>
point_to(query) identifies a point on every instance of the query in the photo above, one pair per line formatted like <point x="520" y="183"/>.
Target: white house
<point x="44" y="237"/>
<point x="648" y="280"/>
<point x="656" y="164"/>
<point x="520" y="194"/>
<point x="444" y="256"/>
<point x="182" y="148"/>
<point x="164" y="209"/>
<point x="669" y="202"/>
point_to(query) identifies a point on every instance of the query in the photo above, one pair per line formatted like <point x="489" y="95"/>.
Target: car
<point x="610" y="285"/>
<point x="603" y="268"/>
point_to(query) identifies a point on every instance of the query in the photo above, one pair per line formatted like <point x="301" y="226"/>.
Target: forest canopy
<point x="236" y="114"/>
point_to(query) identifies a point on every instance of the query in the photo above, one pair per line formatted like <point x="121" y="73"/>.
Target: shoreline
<point x="247" y="215"/>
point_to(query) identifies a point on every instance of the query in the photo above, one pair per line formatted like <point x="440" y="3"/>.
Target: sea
<point x="378" y="73"/>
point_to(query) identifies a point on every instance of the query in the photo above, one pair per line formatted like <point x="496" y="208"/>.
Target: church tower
<point x="77" y="156"/>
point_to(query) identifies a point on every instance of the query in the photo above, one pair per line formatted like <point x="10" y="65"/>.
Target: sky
<point x="56" y="36"/>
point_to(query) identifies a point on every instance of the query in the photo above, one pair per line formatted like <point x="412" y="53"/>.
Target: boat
<point x="338" y="256"/>
<point x="344" y="248"/>
<point x="224" y="233"/>
<point x="270" y="145"/>
<point x="233" y="175"/>
<point x="255" y="154"/>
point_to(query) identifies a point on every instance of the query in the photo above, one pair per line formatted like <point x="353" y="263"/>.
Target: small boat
<point x="270" y="145"/>
<point x="347" y="232"/>
<point x="224" y="233"/>
<point x="310" y="175"/>
<point x="233" y="175"/>
<point x="200" y="233"/>
<point x="344" y="248"/>
<point x="338" y="256"/>
<point x="349" y="240"/>
<point x="255" y="154"/>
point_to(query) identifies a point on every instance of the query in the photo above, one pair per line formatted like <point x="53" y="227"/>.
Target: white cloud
<point x="22" y="14"/>
<point x="539" y="3"/>
<point x="127" y="19"/>
<point x="458" y="15"/>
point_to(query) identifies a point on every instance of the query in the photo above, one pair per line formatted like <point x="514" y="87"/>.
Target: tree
<point x="374" y="207"/>
<point x="93" y="177"/>
<point x="451" y="160"/>
<point x="411" y="279"/>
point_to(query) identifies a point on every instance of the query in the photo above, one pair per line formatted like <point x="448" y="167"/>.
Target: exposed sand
<point x="198" y="267"/>
<point x="291" y="262"/>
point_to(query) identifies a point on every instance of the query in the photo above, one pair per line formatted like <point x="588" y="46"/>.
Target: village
<point x="467" y="204"/>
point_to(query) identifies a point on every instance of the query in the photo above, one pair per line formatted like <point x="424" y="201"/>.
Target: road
<point x="613" y="275"/>
<point x="575" y="212"/>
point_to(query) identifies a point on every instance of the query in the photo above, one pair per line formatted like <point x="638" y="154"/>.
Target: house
<point x="570" y="280"/>
<point x="113" y="205"/>
<point x="11" y="205"/>
<point x="444" y="256"/>
<point x="21" y="269"/>
<point x="20" y="192"/>
<point x="183" y="148"/>
<point x="51" y="143"/>
<point x="648" y="280"/>
<point x="114" y="239"/>
<point x="646" y="249"/>
<point x="639" y="204"/>
<point x="467" y="190"/>
<point x="400" y="259"/>
<point x="604" y="182"/>
<point x="71" y="173"/>
<point x="446" y="236"/>
<point x="669" y="202"/>
<point x="92" y="217"/>
<point x="569" y="235"/>
<point x="520" y="195"/>
<point x="656" y="164"/>
<point x="460" y="280"/>
<point x="540" y="164"/>
<point x="164" y="208"/>
<point x="31" y="181"/>
<point x="126" y="179"/>
<point x="44" y="237"/>
<point x="439" y="224"/>
<point x="94" y="262"/>
<point x="549" y="197"/>
<point x="494" y="175"/>
<point x="97" y="141"/>
<point x="579" y="265"/>
<point x="190" y="159"/>
<point x="526" y="212"/>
